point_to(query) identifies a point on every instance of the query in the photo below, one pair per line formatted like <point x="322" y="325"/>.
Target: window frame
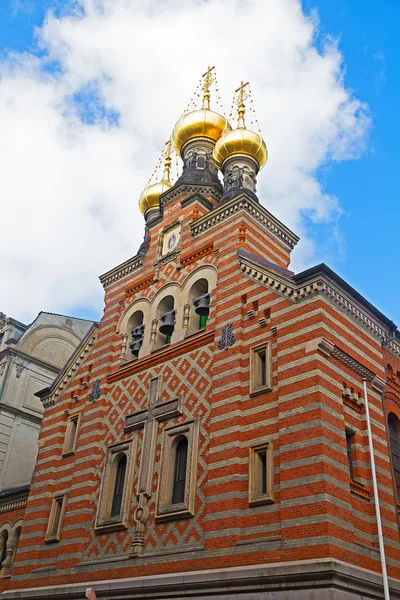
<point x="52" y="534"/>
<point x="255" y="386"/>
<point x="394" y="469"/>
<point x="256" y="496"/>
<point x="68" y="448"/>
<point x="104" y="521"/>
<point x="165" y="509"/>
<point x="350" y="450"/>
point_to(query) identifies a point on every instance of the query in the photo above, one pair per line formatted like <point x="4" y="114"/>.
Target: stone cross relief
<point x="148" y="418"/>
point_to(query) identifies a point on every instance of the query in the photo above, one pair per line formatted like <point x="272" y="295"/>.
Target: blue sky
<point x="362" y="248"/>
<point x="368" y="33"/>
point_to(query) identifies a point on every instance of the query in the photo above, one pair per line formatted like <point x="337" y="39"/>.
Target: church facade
<point x="210" y="436"/>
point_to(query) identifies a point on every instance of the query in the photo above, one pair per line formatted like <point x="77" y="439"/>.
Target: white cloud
<point x="70" y="186"/>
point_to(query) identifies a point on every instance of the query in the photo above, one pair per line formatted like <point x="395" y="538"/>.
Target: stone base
<point x="320" y="579"/>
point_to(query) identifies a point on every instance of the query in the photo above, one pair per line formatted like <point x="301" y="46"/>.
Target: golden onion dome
<point x="149" y="198"/>
<point x="241" y="141"/>
<point x="199" y="123"/>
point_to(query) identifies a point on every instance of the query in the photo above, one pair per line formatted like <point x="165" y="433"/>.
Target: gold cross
<point x="168" y="148"/>
<point x="242" y="94"/>
<point x="208" y="79"/>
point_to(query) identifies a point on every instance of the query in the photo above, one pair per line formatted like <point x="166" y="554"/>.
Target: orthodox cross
<point x="148" y="418"/>
<point x="208" y="80"/>
<point x="167" y="160"/>
<point x="242" y="94"/>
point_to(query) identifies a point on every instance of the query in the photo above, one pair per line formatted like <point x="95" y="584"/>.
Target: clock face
<point x="171" y="239"/>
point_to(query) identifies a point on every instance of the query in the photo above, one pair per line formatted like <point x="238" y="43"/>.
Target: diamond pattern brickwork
<point x="188" y="377"/>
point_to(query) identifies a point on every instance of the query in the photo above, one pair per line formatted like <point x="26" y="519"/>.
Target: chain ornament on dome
<point x="202" y="93"/>
<point x="170" y="170"/>
<point x="240" y="95"/>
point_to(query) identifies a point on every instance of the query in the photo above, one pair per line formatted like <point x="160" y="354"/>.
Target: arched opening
<point x="179" y="481"/>
<point x="199" y="301"/>
<point x="118" y="486"/>
<point x="3" y="547"/>
<point x="15" y="540"/>
<point x="166" y="321"/>
<point x="136" y="331"/>
<point x="394" y="428"/>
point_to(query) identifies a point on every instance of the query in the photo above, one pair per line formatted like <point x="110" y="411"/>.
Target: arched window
<point x="118" y="486"/>
<point x="179" y="482"/>
<point x="166" y="321"/>
<point x="136" y="332"/>
<point x="394" y="424"/>
<point x="3" y="546"/>
<point x="15" y="541"/>
<point x="199" y="301"/>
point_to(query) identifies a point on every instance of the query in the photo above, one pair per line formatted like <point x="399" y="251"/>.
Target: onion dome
<point x="150" y="197"/>
<point x="240" y="141"/>
<point x="203" y="123"/>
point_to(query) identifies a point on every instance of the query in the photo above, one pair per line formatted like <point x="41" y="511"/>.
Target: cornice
<point x="197" y="197"/>
<point x="14" y="352"/>
<point x="393" y="346"/>
<point x="258" y="213"/>
<point x="327" y="348"/>
<point x="207" y="190"/>
<point x="49" y="396"/>
<point x="123" y="270"/>
<point x="318" y="284"/>
<point x="163" y="355"/>
<point x="12" y="506"/>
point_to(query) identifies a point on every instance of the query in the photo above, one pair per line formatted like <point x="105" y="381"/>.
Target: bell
<point x="202" y="304"/>
<point x="135" y="347"/>
<point x="168" y="321"/>
<point x="137" y="332"/>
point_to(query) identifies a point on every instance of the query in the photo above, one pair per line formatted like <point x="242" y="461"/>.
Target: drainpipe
<point x="5" y="376"/>
<point x="376" y="497"/>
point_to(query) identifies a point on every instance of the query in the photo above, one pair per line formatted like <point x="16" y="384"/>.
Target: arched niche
<point x="165" y="306"/>
<point x="135" y="314"/>
<point x="50" y="343"/>
<point x="202" y="280"/>
<point x="167" y="298"/>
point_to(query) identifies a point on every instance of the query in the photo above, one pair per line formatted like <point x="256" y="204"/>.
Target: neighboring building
<point x="30" y="357"/>
<point x="209" y="438"/>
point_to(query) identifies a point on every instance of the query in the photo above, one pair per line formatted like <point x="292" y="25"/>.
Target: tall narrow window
<point x="261" y="474"/>
<point x="349" y="446"/>
<point x="260" y="368"/>
<point x="176" y="494"/>
<point x="114" y="502"/>
<point x="395" y="450"/>
<point x="53" y="533"/>
<point x="178" y="487"/>
<point x="118" y="486"/>
<point x="263" y="471"/>
<point x="71" y="435"/>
